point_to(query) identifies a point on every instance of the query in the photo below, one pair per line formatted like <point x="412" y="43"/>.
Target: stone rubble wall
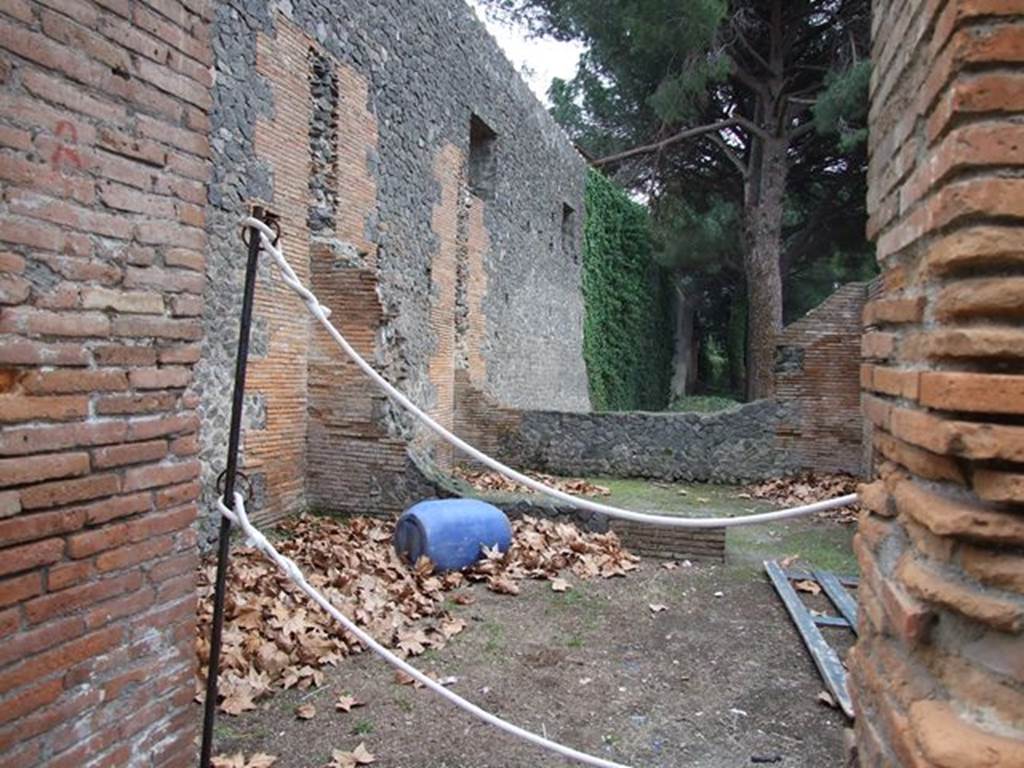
<point x="735" y="445"/>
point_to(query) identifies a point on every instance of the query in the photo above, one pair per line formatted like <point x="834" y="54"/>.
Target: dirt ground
<point x="719" y="679"/>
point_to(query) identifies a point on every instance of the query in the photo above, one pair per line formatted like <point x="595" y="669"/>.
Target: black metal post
<point x="230" y="475"/>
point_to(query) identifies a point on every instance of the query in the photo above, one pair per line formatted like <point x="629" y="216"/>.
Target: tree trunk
<point x="763" y="241"/>
<point x="736" y="345"/>
<point x="683" y="360"/>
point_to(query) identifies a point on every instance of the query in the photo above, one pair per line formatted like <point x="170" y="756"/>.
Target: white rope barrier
<point x="322" y="314"/>
<point x="259" y="541"/>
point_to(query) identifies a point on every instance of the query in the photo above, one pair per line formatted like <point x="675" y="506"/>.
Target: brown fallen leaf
<point x="273" y="639"/>
<point x="809" y="487"/>
<point x="238" y="760"/>
<point x="670" y="566"/>
<point x="413" y="643"/>
<point x="238" y="701"/>
<point x="305" y="711"/>
<point x="451" y="627"/>
<point x="826" y="698"/>
<point x="346" y="703"/>
<point x="657" y="607"/>
<point x="358" y="756"/>
<point x="403" y="678"/>
<point x="560" y="585"/>
<point x="808" y="586"/>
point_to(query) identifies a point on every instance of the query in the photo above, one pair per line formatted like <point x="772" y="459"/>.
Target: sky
<point x="537" y="59"/>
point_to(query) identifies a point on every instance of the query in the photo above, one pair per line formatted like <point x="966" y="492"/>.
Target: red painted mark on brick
<point x="64" y="153"/>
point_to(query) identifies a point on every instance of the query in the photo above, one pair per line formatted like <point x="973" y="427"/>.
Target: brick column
<point x="938" y="671"/>
<point x="103" y="170"/>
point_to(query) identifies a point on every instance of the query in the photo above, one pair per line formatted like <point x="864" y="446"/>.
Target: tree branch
<point x="800" y="130"/>
<point x="749" y="80"/>
<point x="657" y="146"/>
<point x="751" y="126"/>
<point x="729" y="153"/>
<point x="747" y="46"/>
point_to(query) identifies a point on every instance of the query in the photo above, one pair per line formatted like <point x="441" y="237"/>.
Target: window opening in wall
<point x="569" y="231"/>
<point x="323" y="144"/>
<point x="482" y="158"/>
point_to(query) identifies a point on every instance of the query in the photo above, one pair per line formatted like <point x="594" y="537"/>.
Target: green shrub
<point x="627" y="339"/>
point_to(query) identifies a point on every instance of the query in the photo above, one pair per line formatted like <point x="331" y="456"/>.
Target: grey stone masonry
<point x="735" y="445"/>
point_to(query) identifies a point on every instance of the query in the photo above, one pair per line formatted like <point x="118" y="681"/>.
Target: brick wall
<point x="352" y="463"/>
<point x="816" y="371"/>
<point x="474" y="336"/>
<point x="104" y="164"/>
<point x="274" y="450"/>
<point x="449" y="170"/>
<point x="938" y="671"/>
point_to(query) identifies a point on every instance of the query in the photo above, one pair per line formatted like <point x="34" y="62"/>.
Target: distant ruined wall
<point x="428" y="196"/>
<point x="813" y="423"/>
<point x="817" y="365"/>
<point x="937" y="674"/>
<point x="735" y="445"/>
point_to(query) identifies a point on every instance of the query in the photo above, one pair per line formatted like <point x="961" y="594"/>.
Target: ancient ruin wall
<point x="104" y="161"/>
<point x="817" y="361"/>
<point x="938" y="669"/>
<point x="813" y="423"/>
<point x="440" y="246"/>
<point x="729" y="446"/>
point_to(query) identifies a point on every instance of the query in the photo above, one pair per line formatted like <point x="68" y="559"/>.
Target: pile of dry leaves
<point x="275" y="638"/>
<point x="807" y="488"/>
<point x="484" y="480"/>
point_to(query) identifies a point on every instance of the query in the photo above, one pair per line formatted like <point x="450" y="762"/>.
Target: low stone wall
<point x="737" y="445"/>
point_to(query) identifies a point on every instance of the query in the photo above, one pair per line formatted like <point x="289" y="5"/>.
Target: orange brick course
<point x="939" y="543"/>
<point x="104" y="161"/>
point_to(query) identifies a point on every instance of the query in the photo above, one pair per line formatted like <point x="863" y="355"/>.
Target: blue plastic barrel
<point x="451" y="532"/>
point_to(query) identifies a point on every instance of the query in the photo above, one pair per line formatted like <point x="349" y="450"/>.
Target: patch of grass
<point x="402" y="702"/>
<point x="587" y="610"/>
<point x="687" y="499"/>
<point x="362" y="728"/>
<point x="702" y="404"/>
<point x="568" y="599"/>
<point x="224" y="732"/>
<point x="575" y="642"/>
<point x="495" y="643"/>
<point x="819" y="544"/>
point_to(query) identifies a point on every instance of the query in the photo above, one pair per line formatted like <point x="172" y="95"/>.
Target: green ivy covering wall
<point x="627" y="332"/>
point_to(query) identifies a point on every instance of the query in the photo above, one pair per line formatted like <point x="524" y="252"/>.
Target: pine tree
<point x="754" y="103"/>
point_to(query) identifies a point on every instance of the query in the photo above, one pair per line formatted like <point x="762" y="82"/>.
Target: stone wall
<point x="735" y="445"/>
<point x="814" y="422"/>
<point x="938" y="669"/>
<point x="438" y="246"/>
<point x="104" y="161"/>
